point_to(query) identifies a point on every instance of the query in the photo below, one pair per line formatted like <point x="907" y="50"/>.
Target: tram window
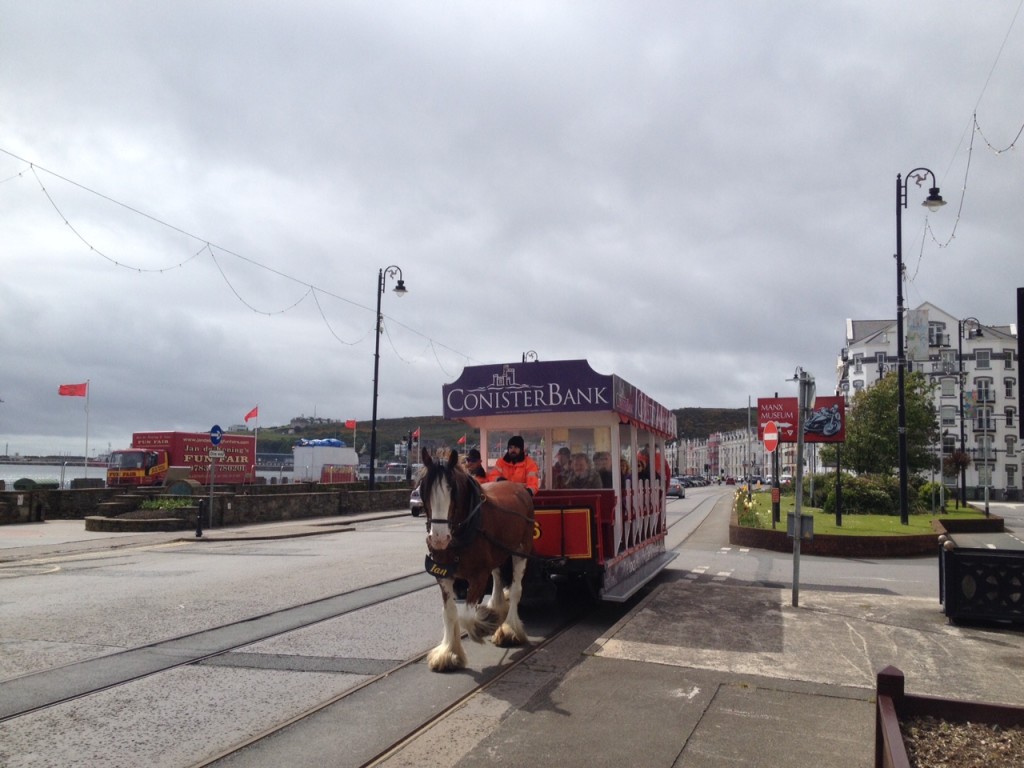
<point x="569" y="442"/>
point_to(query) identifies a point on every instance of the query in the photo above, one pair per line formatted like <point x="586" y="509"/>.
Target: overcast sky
<point x="196" y="197"/>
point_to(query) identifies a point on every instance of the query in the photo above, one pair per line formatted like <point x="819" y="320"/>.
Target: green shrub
<point x="924" y="495"/>
<point x="168" y="502"/>
<point x="863" y="495"/>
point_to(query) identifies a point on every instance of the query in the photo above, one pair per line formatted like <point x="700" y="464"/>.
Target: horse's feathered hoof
<point x="444" y="659"/>
<point x="506" y="637"/>
<point x="481" y="623"/>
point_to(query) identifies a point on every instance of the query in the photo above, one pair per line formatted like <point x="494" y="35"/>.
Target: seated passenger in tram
<point x="625" y="471"/>
<point x="583" y="474"/>
<point x="603" y="465"/>
<point x="643" y="466"/>
<point x="474" y="466"/>
<point x="560" y="472"/>
<point x="644" y="470"/>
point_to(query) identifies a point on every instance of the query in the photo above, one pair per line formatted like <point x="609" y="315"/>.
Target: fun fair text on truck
<point x="153" y="453"/>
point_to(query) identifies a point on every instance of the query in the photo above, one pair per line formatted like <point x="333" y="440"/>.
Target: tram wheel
<point x="575" y="590"/>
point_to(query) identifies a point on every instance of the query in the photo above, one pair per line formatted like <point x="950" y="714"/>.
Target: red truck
<point x="153" y="453"/>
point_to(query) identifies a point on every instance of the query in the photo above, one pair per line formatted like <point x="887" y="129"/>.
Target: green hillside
<point x="692" y="423"/>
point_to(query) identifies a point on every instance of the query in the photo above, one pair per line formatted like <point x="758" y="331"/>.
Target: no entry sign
<point x="771" y="437"/>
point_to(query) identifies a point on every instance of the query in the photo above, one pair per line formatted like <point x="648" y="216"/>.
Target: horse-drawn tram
<point x="600" y="507"/>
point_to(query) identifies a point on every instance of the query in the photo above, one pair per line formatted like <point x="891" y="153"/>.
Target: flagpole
<point x="256" y="443"/>
<point x="87" y="388"/>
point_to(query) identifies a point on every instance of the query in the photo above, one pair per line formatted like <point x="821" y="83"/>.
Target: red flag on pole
<point x="350" y="424"/>
<point x="73" y="390"/>
<point x="253" y="414"/>
<point x="416" y="434"/>
<point x="462" y="440"/>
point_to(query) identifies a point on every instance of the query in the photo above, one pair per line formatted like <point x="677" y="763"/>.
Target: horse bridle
<point x="464" y="532"/>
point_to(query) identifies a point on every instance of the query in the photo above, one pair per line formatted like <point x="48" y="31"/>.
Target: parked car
<point x="785" y="480"/>
<point x="415" y="502"/>
<point x="676" y="488"/>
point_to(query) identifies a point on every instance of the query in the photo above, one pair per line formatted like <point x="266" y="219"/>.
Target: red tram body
<point x="610" y="537"/>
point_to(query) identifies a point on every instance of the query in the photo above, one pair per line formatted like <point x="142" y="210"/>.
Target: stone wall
<point x="116" y="509"/>
<point x="238" y="505"/>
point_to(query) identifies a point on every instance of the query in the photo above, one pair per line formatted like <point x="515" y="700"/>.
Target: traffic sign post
<point x="216" y="433"/>
<point x="771" y="443"/>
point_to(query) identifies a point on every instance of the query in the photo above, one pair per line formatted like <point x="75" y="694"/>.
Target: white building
<point x="311" y="456"/>
<point x="737" y="453"/>
<point x="975" y="371"/>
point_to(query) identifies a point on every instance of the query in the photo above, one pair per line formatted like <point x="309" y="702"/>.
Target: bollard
<point x="199" y="518"/>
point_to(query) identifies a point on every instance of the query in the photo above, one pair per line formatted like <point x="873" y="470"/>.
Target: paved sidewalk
<point x="702" y="675"/>
<point x="25" y="540"/>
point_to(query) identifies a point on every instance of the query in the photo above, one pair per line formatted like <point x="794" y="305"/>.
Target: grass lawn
<point x="854" y="525"/>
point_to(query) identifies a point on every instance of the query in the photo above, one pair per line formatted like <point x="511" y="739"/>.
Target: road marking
<point x="703" y="570"/>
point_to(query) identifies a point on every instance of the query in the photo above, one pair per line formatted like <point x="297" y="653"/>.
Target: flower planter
<point x="894" y="706"/>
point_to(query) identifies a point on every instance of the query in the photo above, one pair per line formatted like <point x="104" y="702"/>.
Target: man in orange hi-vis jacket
<point x="516" y="466"/>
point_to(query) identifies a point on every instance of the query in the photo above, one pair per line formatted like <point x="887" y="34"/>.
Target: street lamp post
<point x="961" y="325"/>
<point x="933" y="202"/>
<point x="382" y="275"/>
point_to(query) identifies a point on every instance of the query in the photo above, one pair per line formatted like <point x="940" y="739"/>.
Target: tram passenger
<point x="560" y="472"/>
<point x="603" y="465"/>
<point x="583" y="474"/>
<point x="625" y="471"/>
<point x="643" y="468"/>
<point x="661" y="467"/>
<point x="473" y="465"/>
<point x="517" y="466"/>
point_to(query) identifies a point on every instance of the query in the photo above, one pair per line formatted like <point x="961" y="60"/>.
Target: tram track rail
<point x="261" y="748"/>
<point x="35" y="691"/>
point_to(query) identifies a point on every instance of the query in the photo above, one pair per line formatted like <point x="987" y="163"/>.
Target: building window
<point x="936" y="337"/>
<point x="1009" y="414"/>
<point x="948" y="415"/>
<point x="1008" y="359"/>
<point x="983" y="358"/>
<point x="1011" y="475"/>
<point x="880" y="365"/>
<point x="984" y="390"/>
<point x="984" y="451"/>
<point x="1008" y="387"/>
<point x="948" y="387"/>
<point x="1011" y="445"/>
<point x="983" y="421"/>
<point x="858" y="363"/>
<point x="948" y="444"/>
<point x="984" y="475"/>
<point x="948" y="357"/>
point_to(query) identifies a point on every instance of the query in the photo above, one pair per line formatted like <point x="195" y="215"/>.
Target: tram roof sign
<point x="551" y="387"/>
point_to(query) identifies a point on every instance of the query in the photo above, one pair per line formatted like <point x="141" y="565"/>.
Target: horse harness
<point x="465" y="532"/>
